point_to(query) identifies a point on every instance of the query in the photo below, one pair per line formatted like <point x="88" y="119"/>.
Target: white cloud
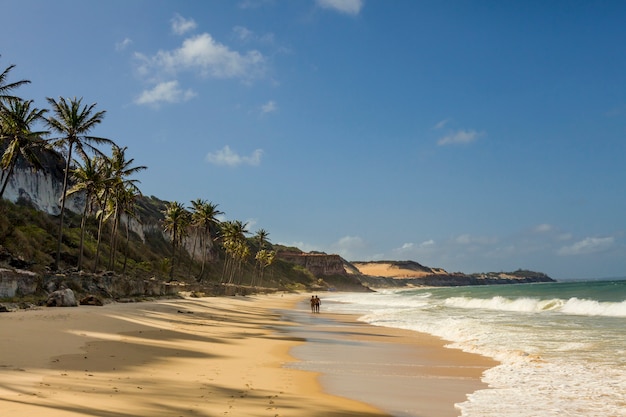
<point x="587" y="246"/>
<point x="459" y="137"/>
<point x="226" y="156"/>
<point x="254" y="4"/>
<point x="543" y="228"/>
<point x="207" y="57"/>
<point x="243" y="33"/>
<point x="427" y="243"/>
<point x="246" y="35"/>
<point x="168" y="92"/>
<point x="120" y="46"/>
<point x="480" y="240"/>
<point x="441" y="124"/>
<point x="349" y="247"/>
<point x="564" y="236"/>
<point x="180" y="25"/>
<point x="351" y="7"/>
<point x="251" y="224"/>
<point x="269" y="107"/>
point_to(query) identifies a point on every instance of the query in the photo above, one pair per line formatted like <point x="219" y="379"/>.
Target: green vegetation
<point x="118" y="230"/>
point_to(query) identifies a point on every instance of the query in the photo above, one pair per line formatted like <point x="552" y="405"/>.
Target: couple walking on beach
<point x="315" y="304"/>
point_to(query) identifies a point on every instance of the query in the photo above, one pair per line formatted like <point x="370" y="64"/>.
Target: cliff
<point x="394" y="274"/>
<point x="41" y="188"/>
<point x="319" y="264"/>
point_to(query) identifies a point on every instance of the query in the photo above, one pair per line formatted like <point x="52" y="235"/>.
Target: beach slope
<point x="217" y="356"/>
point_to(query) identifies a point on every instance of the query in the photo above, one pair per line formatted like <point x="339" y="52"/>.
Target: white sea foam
<point x="594" y="308"/>
<point x="532" y="305"/>
<point x="559" y="356"/>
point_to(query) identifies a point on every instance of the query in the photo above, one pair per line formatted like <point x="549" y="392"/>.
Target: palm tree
<point x="261" y="238"/>
<point x="262" y="255"/>
<point x="102" y="199"/>
<point x="204" y="218"/>
<point x="176" y="221"/>
<point x="73" y="122"/>
<point x="194" y="228"/>
<point x="233" y="237"/>
<point x="121" y="169"/>
<point x="127" y="204"/>
<point x="264" y="259"/>
<point x="5" y="87"/>
<point x="89" y="179"/>
<point x="16" y="120"/>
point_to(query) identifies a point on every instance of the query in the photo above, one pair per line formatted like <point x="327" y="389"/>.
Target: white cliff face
<point x="42" y="190"/>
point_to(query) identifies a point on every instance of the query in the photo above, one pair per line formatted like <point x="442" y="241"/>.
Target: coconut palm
<point x="73" y="121"/>
<point x="90" y="179"/>
<point x="103" y="202"/>
<point x="128" y="205"/>
<point x="233" y="236"/>
<point x="6" y="88"/>
<point x="176" y="221"/>
<point x="261" y="238"/>
<point x="17" y="118"/>
<point x="194" y="228"/>
<point x="121" y="170"/>
<point x="264" y="259"/>
<point x="262" y="254"/>
<point x="204" y="219"/>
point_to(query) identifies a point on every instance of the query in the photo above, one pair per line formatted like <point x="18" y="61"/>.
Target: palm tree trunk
<point x="224" y="269"/>
<point x="100" y="224"/>
<point x="174" y="237"/>
<point x="65" y="176"/>
<point x="193" y="252"/>
<point x="8" y="176"/>
<point x="127" y="244"/>
<point x="113" y="243"/>
<point x="83" y="223"/>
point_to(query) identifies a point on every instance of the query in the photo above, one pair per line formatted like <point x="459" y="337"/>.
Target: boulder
<point x="62" y="298"/>
<point x="91" y="300"/>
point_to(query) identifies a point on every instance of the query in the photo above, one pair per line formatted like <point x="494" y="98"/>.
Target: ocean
<point x="561" y="346"/>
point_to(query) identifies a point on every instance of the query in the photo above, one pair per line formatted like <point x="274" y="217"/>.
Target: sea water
<point x="561" y="346"/>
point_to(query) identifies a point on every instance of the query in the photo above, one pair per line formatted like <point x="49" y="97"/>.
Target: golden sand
<point x="217" y="356"/>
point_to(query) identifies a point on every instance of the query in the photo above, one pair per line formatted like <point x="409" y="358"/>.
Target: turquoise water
<point x="562" y="346"/>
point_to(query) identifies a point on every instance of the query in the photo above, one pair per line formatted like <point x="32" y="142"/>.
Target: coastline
<point x="403" y="372"/>
<point x="202" y="357"/>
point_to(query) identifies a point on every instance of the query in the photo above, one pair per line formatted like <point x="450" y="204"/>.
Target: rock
<point x="7" y="308"/>
<point x="62" y="298"/>
<point x="91" y="300"/>
<point x="16" y="283"/>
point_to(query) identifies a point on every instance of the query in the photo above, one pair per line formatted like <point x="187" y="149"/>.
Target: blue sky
<point x="467" y="135"/>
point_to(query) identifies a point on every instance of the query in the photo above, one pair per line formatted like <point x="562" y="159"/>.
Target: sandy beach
<point x="223" y="356"/>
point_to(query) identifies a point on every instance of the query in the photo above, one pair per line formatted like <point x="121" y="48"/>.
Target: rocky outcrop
<point x="41" y="188"/>
<point x="109" y="285"/>
<point x="96" y="289"/>
<point x="17" y="283"/>
<point x="319" y="264"/>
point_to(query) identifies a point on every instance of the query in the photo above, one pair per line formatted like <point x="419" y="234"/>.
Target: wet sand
<point x="222" y="356"/>
<point x="405" y="373"/>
